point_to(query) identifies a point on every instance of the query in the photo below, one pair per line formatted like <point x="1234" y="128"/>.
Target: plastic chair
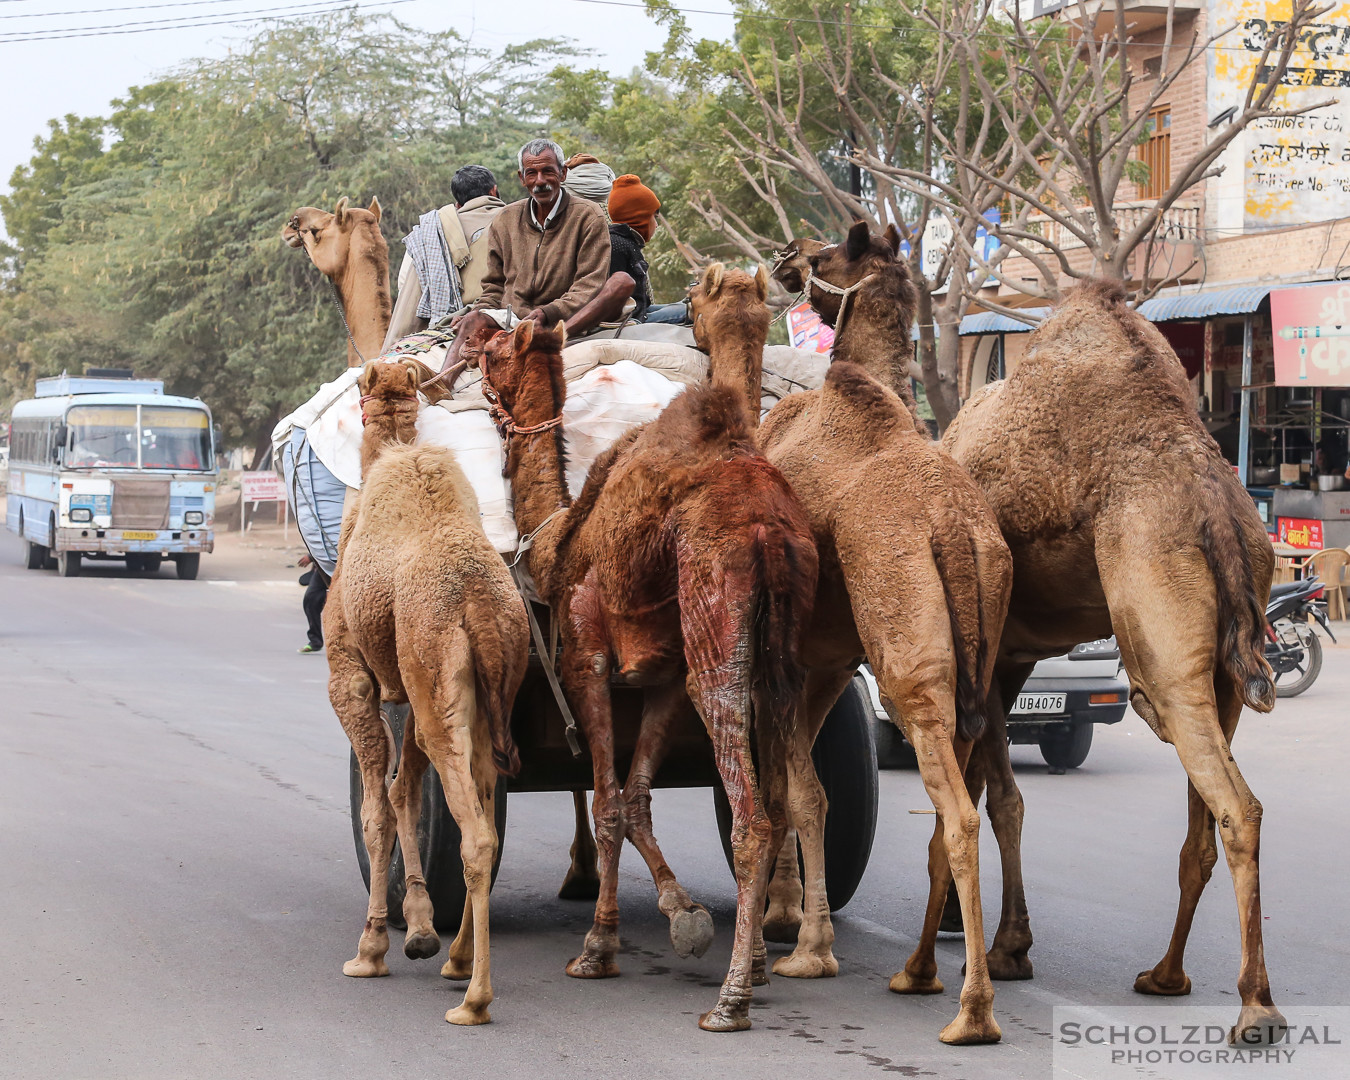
<point x="1330" y="565"/>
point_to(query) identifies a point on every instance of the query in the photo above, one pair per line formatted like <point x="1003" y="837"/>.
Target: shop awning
<point x="992" y="322"/>
<point x="1235" y="300"/>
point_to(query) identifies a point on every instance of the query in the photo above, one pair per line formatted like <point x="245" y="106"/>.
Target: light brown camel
<point x="687" y="567"/>
<point x="349" y="250"/>
<point x="915" y="577"/>
<point x="1122" y="517"/>
<point x="422" y="610"/>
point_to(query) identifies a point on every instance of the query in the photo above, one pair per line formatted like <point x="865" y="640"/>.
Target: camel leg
<point x="586" y="675"/>
<point x="455" y="737"/>
<point x="813" y="958"/>
<point x="421" y="940"/>
<point x="783" y="919"/>
<point x="459" y="964"/>
<point x="691" y="927"/>
<point x="1168" y="650"/>
<point x="583" y="880"/>
<point x="1008" y="957"/>
<point x="352" y="690"/>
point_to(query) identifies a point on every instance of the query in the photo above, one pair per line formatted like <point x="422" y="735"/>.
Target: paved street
<point x="179" y="889"/>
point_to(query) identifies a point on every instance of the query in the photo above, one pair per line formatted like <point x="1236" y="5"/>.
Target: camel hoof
<point x="1258" y="1025"/>
<point x="807" y="965"/>
<point x="579" y="887"/>
<point x="422" y="945"/>
<point x="782" y="929"/>
<point x="691" y="932"/>
<point x="1009" y="967"/>
<point x="965" y="1031"/>
<point x="589" y="967"/>
<point x="726" y="1018"/>
<point x="457" y="969"/>
<point x="361" y="968"/>
<point x="1147" y="983"/>
<point x="902" y="982"/>
<point x="467" y="1016"/>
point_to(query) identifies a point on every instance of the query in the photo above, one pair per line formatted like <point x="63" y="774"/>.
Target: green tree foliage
<point x="150" y="237"/>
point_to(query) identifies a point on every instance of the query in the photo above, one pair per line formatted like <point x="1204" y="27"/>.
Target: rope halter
<point x="844" y="295"/>
<point x="397" y="403"/>
<point x="506" y="423"/>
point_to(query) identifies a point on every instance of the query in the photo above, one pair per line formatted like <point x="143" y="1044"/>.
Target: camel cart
<point x="845" y="758"/>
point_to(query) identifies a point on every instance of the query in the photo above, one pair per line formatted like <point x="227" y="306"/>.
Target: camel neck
<point x="536" y="467"/>
<point x="736" y="362"/>
<point x="364" y="291"/>
<point x="876" y="338"/>
<point x="380" y="431"/>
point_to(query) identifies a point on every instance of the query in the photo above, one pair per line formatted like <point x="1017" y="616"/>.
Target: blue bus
<point x="107" y="466"/>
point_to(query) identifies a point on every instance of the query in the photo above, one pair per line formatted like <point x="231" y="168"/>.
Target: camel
<point x="686" y="567"/>
<point x="422" y="610"/>
<point x="1122" y="517"/>
<point x="349" y="250"/>
<point x="913" y="576"/>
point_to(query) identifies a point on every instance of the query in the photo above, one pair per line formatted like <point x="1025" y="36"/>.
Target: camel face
<point x="391" y="381"/>
<point x="862" y="254"/>
<point x="327" y="237"/>
<point x="506" y="355"/>
<point x="728" y="297"/>
<point x="793" y="262"/>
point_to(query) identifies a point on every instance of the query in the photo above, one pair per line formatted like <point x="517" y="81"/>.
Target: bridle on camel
<point x="399" y="403"/>
<point x="505" y="422"/>
<point x="844" y="294"/>
<point x="294" y="223"/>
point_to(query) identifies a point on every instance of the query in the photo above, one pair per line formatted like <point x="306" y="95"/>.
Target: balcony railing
<point x="1177" y="224"/>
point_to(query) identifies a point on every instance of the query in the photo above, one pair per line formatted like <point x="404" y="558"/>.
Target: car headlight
<point x="81" y="514"/>
<point x="193" y="517"/>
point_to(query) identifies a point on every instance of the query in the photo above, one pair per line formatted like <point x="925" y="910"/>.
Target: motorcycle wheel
<point x="1292" y="683"/>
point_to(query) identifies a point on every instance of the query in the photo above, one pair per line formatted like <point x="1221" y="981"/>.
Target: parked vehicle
<point x="1057" y="708"/>
<point x="1293" y="649"/>
<point x="106" y="466"/>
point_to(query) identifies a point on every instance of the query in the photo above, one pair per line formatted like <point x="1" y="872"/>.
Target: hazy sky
<point x="44" y="79"/>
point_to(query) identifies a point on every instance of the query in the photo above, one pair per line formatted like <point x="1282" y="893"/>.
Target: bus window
<point x="102" y="436"/>
<point x="174" y="438"/>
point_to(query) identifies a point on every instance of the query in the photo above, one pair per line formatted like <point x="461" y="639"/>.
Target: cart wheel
<point x="845" y="757"/>
<point x="188" y="565"/>
<point x="437" y="840"/>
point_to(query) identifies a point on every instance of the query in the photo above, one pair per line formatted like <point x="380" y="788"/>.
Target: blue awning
<point x="992" y="322"/>
<point x="1236" y="300"/>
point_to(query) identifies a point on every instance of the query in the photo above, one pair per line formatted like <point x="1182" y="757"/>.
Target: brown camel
<point x="423" y="610"/>
<point x="1122" y="517"/>
<point x="914" y="576"/>
<point x="350" y="251"/>
<point x="685" y="566"/>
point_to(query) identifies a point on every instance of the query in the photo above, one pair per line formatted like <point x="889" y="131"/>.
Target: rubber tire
<point x="437" y="840"/>
<point x="37" y="557"/>
<point x="893" y="752"/>
<point x="845" y="757"/>
<point x="1067" y="749"/>
<point x="1310" y="676"/>
<point x="68" y="563"/>
<point x="188" y="565"/>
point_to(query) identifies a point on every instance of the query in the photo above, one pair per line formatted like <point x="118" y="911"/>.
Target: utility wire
<point x="105" y="10"/>
<point x="186" y="22"/>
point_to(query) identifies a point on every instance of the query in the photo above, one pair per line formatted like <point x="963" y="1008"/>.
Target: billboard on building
<point x="1296" y="169"/>
<point x="1310" y="328"/>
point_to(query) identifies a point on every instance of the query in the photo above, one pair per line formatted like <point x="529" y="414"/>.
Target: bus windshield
<point x="106" y="437"/>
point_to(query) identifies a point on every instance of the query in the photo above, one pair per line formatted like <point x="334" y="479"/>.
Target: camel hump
<point x="878" y="412"/>
<point x="1102" y="291"/>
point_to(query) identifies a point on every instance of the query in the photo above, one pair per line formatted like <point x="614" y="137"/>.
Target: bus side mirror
<point x="217" y="440"/>
<point x="62" y="433"/>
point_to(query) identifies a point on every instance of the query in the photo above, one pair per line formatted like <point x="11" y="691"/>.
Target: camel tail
<point x="1241" y="614"/>
<point x="497" y="681"/>
<point x="784" y="595"/>
<point x="958" y="568"/>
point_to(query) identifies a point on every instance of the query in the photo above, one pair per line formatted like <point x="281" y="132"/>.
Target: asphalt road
<point x="178" y="890"/>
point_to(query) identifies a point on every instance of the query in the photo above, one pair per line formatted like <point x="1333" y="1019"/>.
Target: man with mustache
<point x="548" y="258"/>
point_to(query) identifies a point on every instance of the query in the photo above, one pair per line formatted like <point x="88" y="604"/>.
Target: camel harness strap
<point x="844" y="294"/>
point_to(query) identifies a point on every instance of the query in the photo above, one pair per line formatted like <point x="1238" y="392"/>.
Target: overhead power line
<point x="106" y="10"/>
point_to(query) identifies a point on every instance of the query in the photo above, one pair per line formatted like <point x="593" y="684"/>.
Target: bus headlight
<point x="81" y="514"/>
<point x="193" y="517"/>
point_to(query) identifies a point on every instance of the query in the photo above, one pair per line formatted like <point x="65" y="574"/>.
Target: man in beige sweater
<point x="548" y="258"/>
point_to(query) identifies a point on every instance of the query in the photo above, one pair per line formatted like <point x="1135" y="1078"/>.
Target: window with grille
<point x="1156" y="153"/>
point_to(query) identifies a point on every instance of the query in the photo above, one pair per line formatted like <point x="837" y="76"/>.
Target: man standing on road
<point x="547" y="260"/>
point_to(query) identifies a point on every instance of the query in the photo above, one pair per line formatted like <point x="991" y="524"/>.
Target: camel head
<point x="863" y="254"/>
<point x="728" y="301"/>
<point x="510" y="356"/>
<point x="389" y="387"/>
<point x="789" y="270"/>
<point x="329" y="237"/>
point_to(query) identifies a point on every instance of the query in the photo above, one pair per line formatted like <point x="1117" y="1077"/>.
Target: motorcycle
<point x="1293" y="649"/>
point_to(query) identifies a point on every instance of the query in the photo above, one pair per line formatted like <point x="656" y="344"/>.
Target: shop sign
<point x="806" y="329"/>
<point x="1301" y="533"/>
<point x="1310" y="328"/>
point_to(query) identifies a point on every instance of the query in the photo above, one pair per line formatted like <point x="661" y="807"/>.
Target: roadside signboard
<point x="265" y="486"/>
<point x="1301" y="533"/>
<point x="1311" y="331"/>
<point x="807" y="331"/>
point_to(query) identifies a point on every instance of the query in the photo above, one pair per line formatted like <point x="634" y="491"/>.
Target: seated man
<point x="548" y="259"/>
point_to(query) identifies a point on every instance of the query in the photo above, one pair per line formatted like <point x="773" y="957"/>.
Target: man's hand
<point x="537" y="317"/>
<point x="456" y="321"/>
<point x="303" y="561"/>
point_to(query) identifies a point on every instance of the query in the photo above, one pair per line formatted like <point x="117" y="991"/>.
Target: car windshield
<point x="102" y="436"/>
<point x="105" y="437"/>
<point x="174" y="439"/>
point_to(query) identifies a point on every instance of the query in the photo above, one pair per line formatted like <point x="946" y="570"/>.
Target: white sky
<point x="42" y="80"/>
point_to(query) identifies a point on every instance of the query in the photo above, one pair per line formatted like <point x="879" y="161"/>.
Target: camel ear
<point x="417" y="374"/>
<point x="561" y="331"/>
<point x="374" y="207"/>
<point x="712" y="278"/>
<point x="366" y="379"/>
<point x="522" y="337"/>
<point x="340" y="212"/>
<point x="892" y="237"/>
<point x="855" y="247"/>
<point x="762" y="281"/>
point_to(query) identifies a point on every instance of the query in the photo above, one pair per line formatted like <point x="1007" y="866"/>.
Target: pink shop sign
<point x="1311" y="331"/>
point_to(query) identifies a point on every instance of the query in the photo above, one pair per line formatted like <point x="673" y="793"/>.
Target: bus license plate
<point x="139" y="534"/>
<point x="1039" y="704"/>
